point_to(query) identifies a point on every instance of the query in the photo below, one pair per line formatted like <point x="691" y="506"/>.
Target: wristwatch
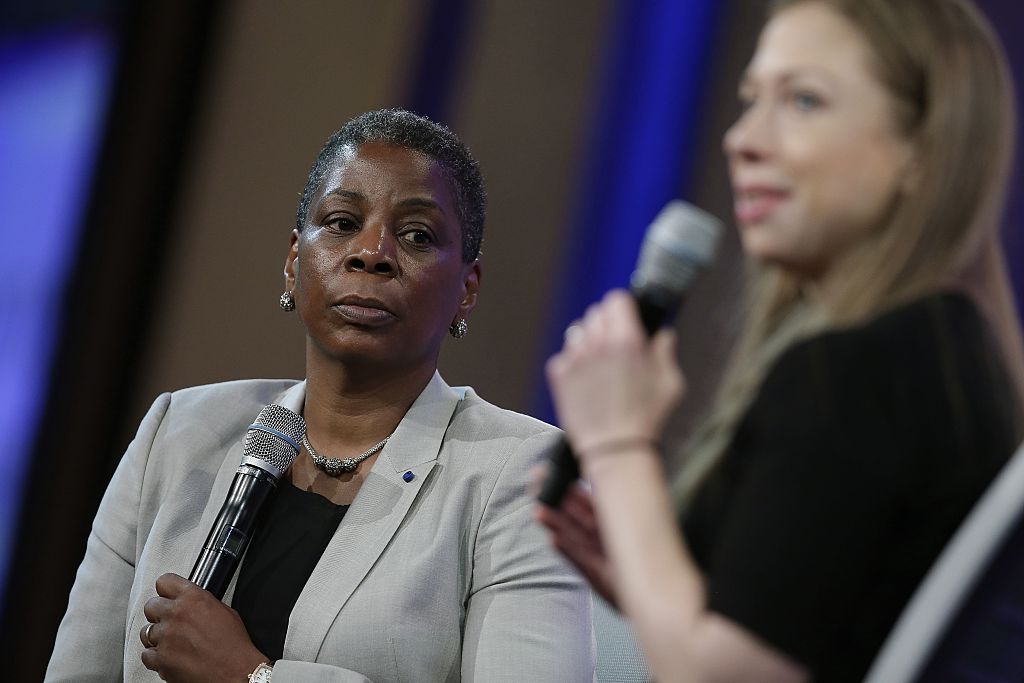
<point x="261" y="674"/>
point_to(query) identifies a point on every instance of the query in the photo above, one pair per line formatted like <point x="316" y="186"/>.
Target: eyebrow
<point x="347" y="194"/>
<point x="791" y="74"/>
<point x="421" y="202"/>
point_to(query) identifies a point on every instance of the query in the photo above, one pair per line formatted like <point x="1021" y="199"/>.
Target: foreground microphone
<point x="680" y="241"/>
<point x="269" y="449"/>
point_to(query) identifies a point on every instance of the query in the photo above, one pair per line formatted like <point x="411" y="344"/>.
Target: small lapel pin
<point x="408" y="476"/>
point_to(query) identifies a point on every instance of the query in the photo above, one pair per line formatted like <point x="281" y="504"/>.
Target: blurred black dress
<point x="863" y="451"/>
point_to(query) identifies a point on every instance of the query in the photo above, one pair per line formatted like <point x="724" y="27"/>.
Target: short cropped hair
<point x="419" y="134"/>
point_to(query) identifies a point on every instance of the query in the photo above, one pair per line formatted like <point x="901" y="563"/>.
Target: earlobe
<point x="290" y="261"/>
<point x="471" y="282"/>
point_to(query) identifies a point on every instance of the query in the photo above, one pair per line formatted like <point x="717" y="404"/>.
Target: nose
<point x="749" y="139"/>
<point x="373" y="251"/>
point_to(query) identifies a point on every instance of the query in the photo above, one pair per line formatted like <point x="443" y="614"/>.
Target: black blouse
<point x="292" y="534"/>
<point x="861" y="455"/>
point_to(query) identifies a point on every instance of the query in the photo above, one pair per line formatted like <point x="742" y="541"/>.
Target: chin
<point x="759" y="245"/>
<point x="773" y="257"/>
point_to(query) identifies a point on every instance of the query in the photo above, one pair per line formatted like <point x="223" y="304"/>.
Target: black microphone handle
<point x="655" y="307"/>
<point x="229" y="536"/>
<point x="563" y="470"/>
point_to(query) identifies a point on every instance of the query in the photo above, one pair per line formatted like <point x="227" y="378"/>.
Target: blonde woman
<point x="875" y="391"/>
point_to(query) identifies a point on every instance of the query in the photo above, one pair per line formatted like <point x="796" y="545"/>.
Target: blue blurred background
<point x="151" y="157"/>
<point x="54" y="89"/>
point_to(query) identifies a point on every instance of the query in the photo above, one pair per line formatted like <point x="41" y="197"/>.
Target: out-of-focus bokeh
<point x="151" y="156"/>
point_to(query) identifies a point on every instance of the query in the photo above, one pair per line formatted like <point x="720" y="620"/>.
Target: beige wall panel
<point x="286" y="76"/>
<point x="527" y="91"/>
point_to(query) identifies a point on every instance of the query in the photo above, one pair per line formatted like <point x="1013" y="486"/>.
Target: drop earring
<point x="458" y="328"/>
<point x="287" y="301"/>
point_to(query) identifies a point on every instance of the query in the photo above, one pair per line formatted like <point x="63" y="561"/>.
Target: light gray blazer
<point x="442" y="578"/>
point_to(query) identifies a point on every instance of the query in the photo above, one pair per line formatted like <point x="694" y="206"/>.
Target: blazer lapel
<point x="379" y="508"/>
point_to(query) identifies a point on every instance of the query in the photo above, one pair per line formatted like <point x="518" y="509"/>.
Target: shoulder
<point x="474" y="415"/>
<point x="923" y="376"/>
<point x="210" y="416"/>
<point x="871" y="377"/>
<point x="911" y="339"/>
<point x="486" y="438"/>
<point x="237" y="394"/>
<point x="924" y="322"/>
<point x="225" y="402"/>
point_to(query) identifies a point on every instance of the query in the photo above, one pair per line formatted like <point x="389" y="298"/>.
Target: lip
<point x="756" y="203"/>
<point x="365" y="311"/>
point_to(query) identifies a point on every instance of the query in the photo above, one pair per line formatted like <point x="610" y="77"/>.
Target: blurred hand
<point x="575" y="534"/>
<point x="610" y="382"/>
<point x="195" y="637"/>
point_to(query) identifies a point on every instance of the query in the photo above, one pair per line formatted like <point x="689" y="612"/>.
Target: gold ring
<point x="145" y="636"/>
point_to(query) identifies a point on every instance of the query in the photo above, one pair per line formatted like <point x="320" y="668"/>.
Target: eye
<point x="343" y="223"/>
<point x="805" y="100"/>
<point x="417" y="236"/>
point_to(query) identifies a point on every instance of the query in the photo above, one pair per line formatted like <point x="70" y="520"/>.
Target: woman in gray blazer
<point x="415" y="561"/>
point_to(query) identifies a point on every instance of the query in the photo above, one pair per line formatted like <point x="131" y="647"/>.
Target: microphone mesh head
<point x="261" y="445"/>
<point x="681" y="240"/>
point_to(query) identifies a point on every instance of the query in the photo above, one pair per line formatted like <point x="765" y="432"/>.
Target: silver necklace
<point x="336" y="466"/>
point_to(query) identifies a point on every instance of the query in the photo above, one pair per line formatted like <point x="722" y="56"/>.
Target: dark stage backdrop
<point x="57" y="67"/>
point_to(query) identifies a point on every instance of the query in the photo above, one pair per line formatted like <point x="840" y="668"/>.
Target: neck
<point x="348" y="409"/>
<point x="830" y="287"/>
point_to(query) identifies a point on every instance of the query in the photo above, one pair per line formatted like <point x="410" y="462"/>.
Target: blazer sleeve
<point x="528" y="617"/>
<point x="287" y="671"/>
<point x="90" y="640"/>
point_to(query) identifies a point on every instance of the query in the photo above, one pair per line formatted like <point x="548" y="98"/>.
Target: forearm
<point x="660" y="588"/>
<point x="613" y="392"/>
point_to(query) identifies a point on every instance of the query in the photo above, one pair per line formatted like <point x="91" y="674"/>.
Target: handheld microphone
<point x="269" y="449"/>
<point x="678" y="244"/>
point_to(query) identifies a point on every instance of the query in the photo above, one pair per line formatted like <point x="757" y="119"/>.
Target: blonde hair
<point x="953" y="99"/>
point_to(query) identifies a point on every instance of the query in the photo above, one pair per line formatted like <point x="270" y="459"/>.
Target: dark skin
<point x="378" y="277"/>
<point x="197" y="638"/>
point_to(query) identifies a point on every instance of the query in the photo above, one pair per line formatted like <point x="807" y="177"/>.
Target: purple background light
<point x="54" y="91"/>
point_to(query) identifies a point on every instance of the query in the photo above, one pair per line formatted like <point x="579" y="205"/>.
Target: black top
<point x="859" y="457"/>
<point x="293" y="532"/>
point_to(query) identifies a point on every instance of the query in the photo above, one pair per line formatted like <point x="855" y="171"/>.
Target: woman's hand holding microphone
<point x="614" y="388"/>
